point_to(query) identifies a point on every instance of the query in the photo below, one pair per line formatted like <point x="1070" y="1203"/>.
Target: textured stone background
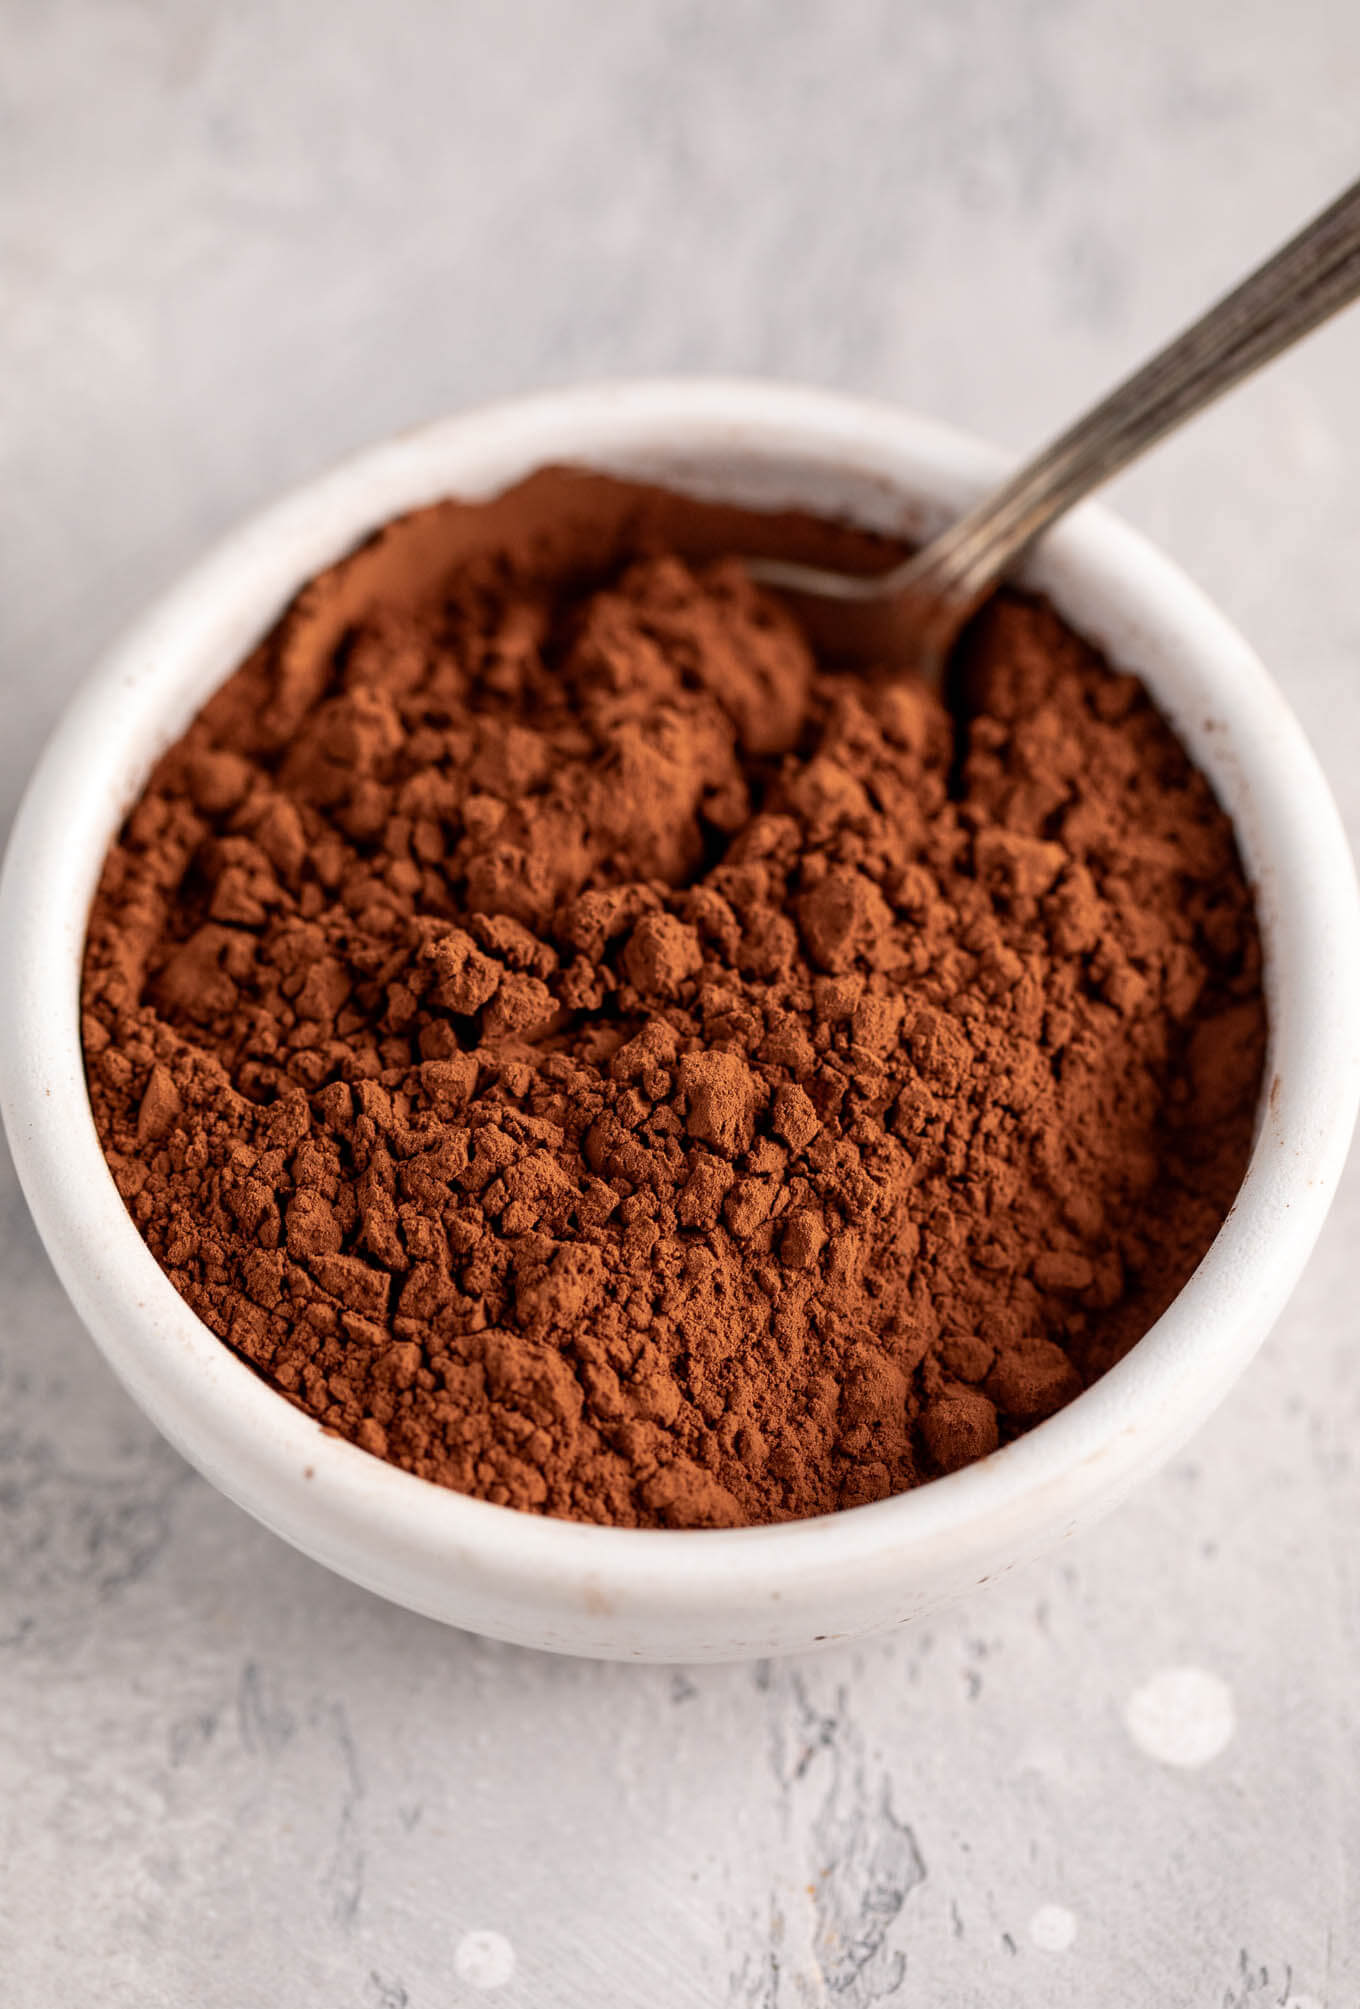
<point x="235" y="243"/>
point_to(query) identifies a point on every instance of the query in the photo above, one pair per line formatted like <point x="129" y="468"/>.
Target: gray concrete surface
<point x="235" y="242"/>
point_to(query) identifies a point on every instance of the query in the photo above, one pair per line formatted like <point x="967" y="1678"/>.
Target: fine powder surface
<point x="590" y="1050"/>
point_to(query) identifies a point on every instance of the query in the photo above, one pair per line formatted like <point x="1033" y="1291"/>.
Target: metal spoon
<point x="932" y="593"/>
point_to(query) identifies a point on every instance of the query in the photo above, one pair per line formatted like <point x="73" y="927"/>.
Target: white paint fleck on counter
<point x="1183" y="1716"/>
<point x="486" y="1959"/>
<point x="1052" y="1928"/>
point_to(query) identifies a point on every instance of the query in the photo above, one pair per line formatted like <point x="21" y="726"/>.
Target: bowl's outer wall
<point x="627" y="1593"/>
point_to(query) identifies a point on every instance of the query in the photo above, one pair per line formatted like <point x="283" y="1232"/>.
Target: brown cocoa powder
<point x="570" y="1040"/>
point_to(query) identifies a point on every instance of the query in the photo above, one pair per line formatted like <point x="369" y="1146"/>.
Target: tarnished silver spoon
<point x="931" y="594"/>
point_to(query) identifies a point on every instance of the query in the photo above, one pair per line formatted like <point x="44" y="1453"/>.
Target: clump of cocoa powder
<point x="569" y="1040"/>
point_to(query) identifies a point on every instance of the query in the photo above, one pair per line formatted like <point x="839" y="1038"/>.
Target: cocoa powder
<point x="588" y="1050"/>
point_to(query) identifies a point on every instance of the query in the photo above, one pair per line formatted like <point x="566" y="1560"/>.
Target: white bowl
<point x="640" y="1593"/>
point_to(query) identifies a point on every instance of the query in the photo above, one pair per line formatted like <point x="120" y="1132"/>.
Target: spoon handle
<point x="1310" y="278"/>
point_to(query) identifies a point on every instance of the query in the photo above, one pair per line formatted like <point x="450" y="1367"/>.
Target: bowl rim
<point x="324" y="1492"/>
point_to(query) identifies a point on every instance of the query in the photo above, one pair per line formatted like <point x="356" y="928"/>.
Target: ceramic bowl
<point x="644" y="1594"/>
